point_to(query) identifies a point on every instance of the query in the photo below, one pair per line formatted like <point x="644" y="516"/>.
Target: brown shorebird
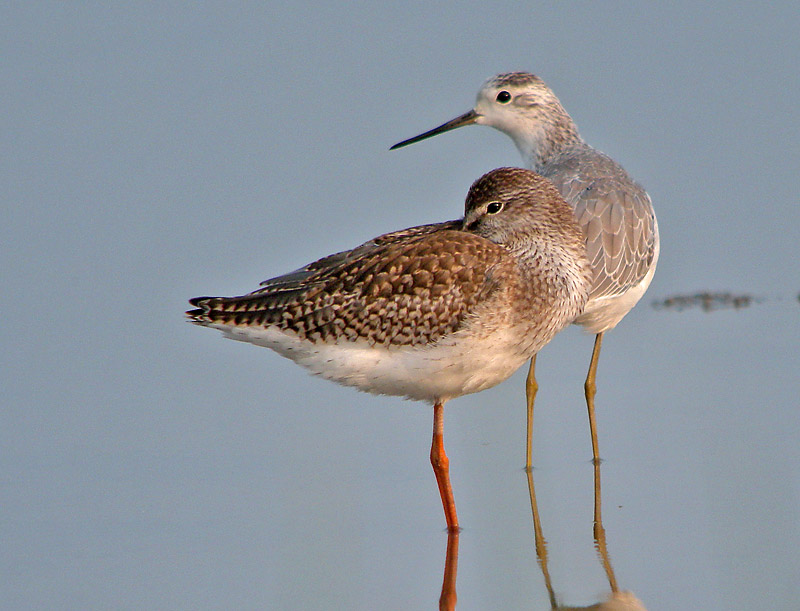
<point x="432" y="312"/>
<point x="614" y="212"/>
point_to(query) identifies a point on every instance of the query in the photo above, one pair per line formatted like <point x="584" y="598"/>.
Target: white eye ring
<point x="494" y="207"/>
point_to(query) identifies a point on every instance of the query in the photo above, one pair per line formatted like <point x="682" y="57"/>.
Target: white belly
<point x="604" y="313"/>
<point x="459" y="364"/>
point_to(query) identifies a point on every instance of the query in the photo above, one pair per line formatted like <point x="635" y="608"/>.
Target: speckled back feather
<point x="408" y="288"/>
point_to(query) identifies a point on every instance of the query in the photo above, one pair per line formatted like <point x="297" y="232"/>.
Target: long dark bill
<point x="468" y="118"/>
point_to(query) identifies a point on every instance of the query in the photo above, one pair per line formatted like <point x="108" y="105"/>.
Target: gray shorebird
<point x="432" y="312"/>
<point x="614" y="212"/>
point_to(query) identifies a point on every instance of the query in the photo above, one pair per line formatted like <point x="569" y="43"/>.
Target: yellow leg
<point x="531" y="387"/>
<point x="590" y="388"/>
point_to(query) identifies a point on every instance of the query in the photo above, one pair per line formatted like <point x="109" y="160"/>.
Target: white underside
<point x="458" y="365"/>
<point x="603" y="313"/>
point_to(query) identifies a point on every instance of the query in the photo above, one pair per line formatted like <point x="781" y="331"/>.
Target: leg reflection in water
<point x="447" y="601"/>
<point x="617" y="600"/>
<point x="600" y="533"/>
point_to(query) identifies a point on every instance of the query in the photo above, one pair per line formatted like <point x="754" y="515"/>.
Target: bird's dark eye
<point x="503" y="97"/>
<point x="494" y="207"/>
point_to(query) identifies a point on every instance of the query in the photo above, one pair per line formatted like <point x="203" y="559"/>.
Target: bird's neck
<point x="546" y="141"/>
<point x="555" y="274"/>
<point x="548" y="252"/>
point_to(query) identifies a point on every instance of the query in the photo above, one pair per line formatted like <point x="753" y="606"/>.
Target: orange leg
<point x="448" y="598"/>
<point x="441" y="468"/>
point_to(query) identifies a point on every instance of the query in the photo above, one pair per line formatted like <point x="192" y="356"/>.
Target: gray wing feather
<point x="615" y="214"/>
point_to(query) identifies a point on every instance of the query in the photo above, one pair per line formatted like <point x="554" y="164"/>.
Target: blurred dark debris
<point x="708" y="302"/>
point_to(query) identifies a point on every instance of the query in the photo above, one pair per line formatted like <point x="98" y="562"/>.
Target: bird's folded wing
<point x="410" y="287"/>
<point x="617" y="217"/>
<point x="292" y="279"/>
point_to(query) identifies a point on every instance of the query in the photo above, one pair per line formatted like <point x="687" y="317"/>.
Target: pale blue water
<point x="151" y="155"/>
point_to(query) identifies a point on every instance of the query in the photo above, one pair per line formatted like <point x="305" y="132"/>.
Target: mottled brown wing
<point x="615" y="214"/>
<point x="299" y="276"/>
<point x="410" y="289"/>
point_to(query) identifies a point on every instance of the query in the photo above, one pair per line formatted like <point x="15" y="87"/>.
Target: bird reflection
<point x="447" y="600"/>
<point x="617" y="600"/>
<point x="600" y="532"/>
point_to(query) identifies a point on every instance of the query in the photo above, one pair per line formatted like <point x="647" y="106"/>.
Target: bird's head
<point x="522" y="106"/>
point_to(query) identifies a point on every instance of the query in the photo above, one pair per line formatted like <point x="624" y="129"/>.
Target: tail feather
<point x="226" y="310"/>
<point x="255" y="309"/>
